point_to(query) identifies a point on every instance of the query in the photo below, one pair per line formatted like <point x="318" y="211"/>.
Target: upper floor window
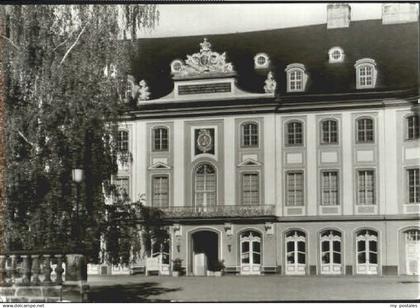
<point x="365" y="73"/>
<point x="261" y="60"/>
<point x="205" y="189"/>
<point x="160" y="191"/>
<point x="122" y="186"/>
<point x="250" y="189"/>
<point x="366" y="187"/>
<point x="413" y="131"/>
<point x="329" y="188"/>
<point x="336" y="55"/>
<point x="160" y="139"/>
<point x="329" y="132"/>
<point x="249" y="132"/>
<point x="296" y="77"/>
<point x="365" y="131"/>
<point x="295" y="191"/>
<point x="413" y="181"/>
<point x="294" y="133"/>
<point x="122" y="141"/>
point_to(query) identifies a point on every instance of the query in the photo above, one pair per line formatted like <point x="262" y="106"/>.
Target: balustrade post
<point x="35" y="270"/>
<point x="26" y="262"/>
<point x="2" y="270"/>
<point x="12" y="270"/>
<point x="47" y="270"/>
<point x="59" y="269"/>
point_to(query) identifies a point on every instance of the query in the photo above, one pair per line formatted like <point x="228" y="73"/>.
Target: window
<point x="331" y="252"/>
<point x="249" y="133"/>
<point x="296" y="77"/>
<point x="329" y="132"/>
<point x="365" y="132"/>
<point x="413" y="131"/>
<point x="413" y="185"/>
<point x="261" y="60"/>
<point x="122" y="141"/>
<point x="366" y="187"/>
<point x="365" y="73"/>
<point x="295" y="252"/>
<point x="329" y="188"/>
<point x="176" y="66"/>
<point x="336" y="55"/>
<point x="294" y="133"/>
<point x="160" y="139"/>
<point x="367" y="252"/>
<point x="250" y="189"/>
<point x="295" y="192"/>
<point x="160" y="191"/>
<point x="205" y="185"/>
<point x="122" y="187"/>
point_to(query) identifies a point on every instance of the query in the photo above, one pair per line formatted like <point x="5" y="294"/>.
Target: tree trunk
<point x="2" y="135"/>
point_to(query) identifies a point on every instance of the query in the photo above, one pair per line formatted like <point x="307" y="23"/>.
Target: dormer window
<point x="336" y="55"/>
<point x="176" y="66"/>
<point x="365" y="73"/>
<point x="261" y="60"/>
<point x="296" y="77"/>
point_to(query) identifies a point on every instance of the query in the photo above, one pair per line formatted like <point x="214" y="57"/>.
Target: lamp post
<point x="77" y="176"/>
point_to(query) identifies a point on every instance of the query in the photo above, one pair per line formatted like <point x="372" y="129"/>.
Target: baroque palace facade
<point x="291" y="151"/>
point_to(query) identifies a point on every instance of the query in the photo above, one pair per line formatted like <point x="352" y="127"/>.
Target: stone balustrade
<point x="31" y="269"/>
<point x="219" y="211"/>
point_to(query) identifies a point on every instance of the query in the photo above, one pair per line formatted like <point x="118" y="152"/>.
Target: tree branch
<point x="26" y="139"/>
<point x="10" y="41"/>
<point x="74" y="44"/>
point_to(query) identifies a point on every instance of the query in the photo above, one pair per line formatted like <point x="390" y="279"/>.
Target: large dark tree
<point x="65" y="68"/>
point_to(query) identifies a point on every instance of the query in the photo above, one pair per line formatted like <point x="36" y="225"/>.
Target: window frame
<point x="365" y="141"/>
<point x="266" y="63"/>
<point x="290" y="172"/>
<point x="205" y="191"/>
<point x="243" y="174"/>
<point x="118" y="187"/>
<point x="331" y="55"/>
<point x="321" y="132"/>
<point x="295" y="68"/>
<point x="415" y="129"/>
<point x="153" y="138"/>
<point x="416" y="185"/>
<point x="120" y="141"/>
<point x="160" y="175"/>
<point x="338" y="187"/>
<point x="374" y="187"/>
<point x="365" y="63"/>
<point x="242" y="132"/>
<point x="287" y="133"/>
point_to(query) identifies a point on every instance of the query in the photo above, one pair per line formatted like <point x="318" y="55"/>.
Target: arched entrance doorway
<point x="205" y="252"/>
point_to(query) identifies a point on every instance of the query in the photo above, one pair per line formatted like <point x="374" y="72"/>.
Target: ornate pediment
<point x="204" y="62"/>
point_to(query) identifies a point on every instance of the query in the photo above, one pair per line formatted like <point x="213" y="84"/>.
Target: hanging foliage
<point x="66" y="75"/>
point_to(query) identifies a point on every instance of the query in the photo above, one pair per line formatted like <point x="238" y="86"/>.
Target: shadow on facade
<point x="139" y="292"/>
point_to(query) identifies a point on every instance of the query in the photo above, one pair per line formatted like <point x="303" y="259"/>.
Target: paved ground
<point x="257" y="288"/>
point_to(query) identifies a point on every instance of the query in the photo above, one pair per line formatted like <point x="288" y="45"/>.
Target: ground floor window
<point x="331" y="252"/>
<point x="295" y="252"/>
<point x="250" y="244"/>
<point x="367" y="252"/>
<point x="412" y="251"/>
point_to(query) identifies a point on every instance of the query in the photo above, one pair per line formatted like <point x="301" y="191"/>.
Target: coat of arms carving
<point x="204" y="141"/>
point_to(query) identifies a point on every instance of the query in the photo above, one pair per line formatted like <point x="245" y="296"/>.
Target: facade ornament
<point x="270" y="83"/>
<point x="143" y="91"/>
<point x="204" y="141"/>
<point x="205" y="61"/>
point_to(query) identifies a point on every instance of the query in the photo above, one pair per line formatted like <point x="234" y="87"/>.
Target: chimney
<point x="338" y="15"/>
<point x="397" y="13"/>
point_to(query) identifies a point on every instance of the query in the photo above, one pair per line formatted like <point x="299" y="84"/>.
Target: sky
<point x="197" y="19"/>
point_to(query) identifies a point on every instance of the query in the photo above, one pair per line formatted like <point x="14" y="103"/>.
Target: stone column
<point x="26" y="279"/>
<point x="35" y="270"/>
<point x="47" y="270"/>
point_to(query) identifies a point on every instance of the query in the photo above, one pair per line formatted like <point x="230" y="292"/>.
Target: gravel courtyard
<point x="252" y="288"/>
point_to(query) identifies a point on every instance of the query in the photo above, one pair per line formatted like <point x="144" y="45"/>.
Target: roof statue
<point x="205" y="61"/>
<point x="270" y="83"/>
<point x="143" y="91"/>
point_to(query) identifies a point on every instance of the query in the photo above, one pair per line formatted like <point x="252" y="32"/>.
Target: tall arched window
<point x="367" y="252"/>
<point x="249" y="135"/>
<point x="160" y="139"/>
<point x="412" y="251"/>
<point x="295" y="252"/>
<point x="205" y="189"/>
<point x="365" y="130"/>
<point x="330" y="243"/>
<point x="365" y="73"/>
<point x="295" y="133"/>
<point x="250" y="242"/>
<point x="329" y="132"/>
